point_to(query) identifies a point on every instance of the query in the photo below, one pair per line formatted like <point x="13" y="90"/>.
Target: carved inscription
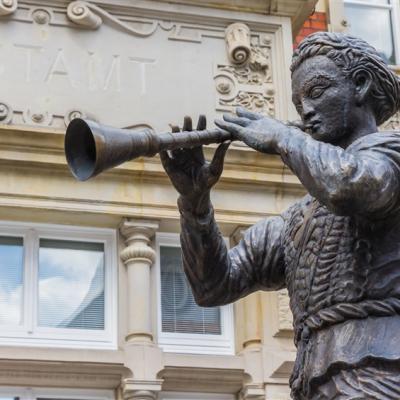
<point x="113" y="74"/>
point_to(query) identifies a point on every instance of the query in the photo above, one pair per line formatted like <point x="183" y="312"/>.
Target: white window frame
<point x="194" y="396"/>
<point x="29" y="333"/>
<point x="71" y="394"/>
<point x="337" y="15"/>
<point x="185" y="342"/>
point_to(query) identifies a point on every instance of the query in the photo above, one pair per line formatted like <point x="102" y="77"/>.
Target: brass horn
<point x="91" y="148"/>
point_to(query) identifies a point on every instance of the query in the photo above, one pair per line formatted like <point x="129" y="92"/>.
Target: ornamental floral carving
<point x="250" y="84"/>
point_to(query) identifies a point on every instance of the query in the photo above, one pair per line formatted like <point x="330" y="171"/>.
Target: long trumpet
<point x="91" y="148"/>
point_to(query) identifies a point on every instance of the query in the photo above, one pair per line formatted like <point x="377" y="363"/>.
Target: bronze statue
<point x="337" y="250"/>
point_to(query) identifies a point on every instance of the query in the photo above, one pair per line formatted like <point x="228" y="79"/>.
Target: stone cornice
<point x="190" y="12"/>
<point x="61" y="374"/>
<point x="138" y="189"/>
<point x="296" y="10"/>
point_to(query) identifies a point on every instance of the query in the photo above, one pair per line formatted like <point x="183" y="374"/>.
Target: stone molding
<point x="202" y="379"/>
<point x="252" y="391"/>
<point x="141" y="389"/>
<point x="62" y="374"/>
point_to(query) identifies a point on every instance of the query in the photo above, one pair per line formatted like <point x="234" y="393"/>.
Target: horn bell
<point x="90" y="148"/>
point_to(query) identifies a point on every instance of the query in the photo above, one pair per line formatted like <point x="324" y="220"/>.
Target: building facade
<point x="93" y="301"/>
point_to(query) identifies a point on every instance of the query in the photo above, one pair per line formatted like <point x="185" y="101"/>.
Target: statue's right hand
<point x="189" y="172"/>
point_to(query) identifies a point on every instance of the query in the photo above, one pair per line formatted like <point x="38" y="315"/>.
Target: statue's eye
<point x="316" y="91"/>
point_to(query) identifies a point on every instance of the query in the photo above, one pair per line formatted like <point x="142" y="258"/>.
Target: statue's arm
<point x="348" y="182"/>
<point x="218" y="276"/>
<point x="362" y="179"/>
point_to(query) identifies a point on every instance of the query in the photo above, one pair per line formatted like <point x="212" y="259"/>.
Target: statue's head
<point x="340" y="81"/>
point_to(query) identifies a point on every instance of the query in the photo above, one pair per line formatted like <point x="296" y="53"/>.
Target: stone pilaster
<point x="251" y="310"/>
<point x="138" y="257"/>
<point x="251" y="339"/>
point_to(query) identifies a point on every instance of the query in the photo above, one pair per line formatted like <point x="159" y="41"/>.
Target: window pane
<point x="372" y="2"/>
<point x="180" y="313"/>
<point x="71" y="284"/>
<point x="373" y="25"/>
<point x="11" y="276"/>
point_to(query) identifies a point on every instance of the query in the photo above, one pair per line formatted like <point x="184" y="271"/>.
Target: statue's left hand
<point x="257" y="131"/>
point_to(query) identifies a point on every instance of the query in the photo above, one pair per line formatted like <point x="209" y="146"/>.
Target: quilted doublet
<point x="323" y="253"/>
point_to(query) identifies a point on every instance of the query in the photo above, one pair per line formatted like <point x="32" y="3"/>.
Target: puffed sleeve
<point x="218" y="276"/>
<point x="363" y="179"/>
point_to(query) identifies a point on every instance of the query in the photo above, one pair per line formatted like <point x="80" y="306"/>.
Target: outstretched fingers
<point x="237" y="130"/>
<point x="187" y="124"/>
<point x="237" y="120"/>
<point x="202" y="123"/>
<point x="242" y="112"/>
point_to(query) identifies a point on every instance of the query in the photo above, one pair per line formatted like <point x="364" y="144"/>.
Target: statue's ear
<point x="363" y="82"/>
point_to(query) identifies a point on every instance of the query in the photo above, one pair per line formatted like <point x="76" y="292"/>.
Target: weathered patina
<point x="337" y="249"/>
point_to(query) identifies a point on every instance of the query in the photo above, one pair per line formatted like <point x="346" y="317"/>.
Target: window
<point x="376" y="21"/>
<point x="57" y="286"/>
<point x="20" y="393"/>
<point x="373" y="20"/>
<point x="183" y="326"/>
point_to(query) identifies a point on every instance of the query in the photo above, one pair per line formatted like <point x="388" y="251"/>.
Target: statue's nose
<point x="308" y="111"/>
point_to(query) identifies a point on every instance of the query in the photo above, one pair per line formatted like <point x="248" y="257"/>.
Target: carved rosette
<point x="247" y="85"/>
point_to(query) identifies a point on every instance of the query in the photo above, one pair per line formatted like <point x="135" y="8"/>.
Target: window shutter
<point x="11" y="277"/>
<point x="180" y="313"/>
<point x="71" y="284"/>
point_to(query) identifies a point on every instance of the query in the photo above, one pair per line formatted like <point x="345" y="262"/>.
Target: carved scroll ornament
<point x="8" y="7"/>
<point x="90" y="16"/>
<point x="237" y="38"/>
<point x="248" y="85"/>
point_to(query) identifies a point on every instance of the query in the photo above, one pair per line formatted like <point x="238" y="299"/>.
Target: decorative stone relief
<point x="250" y="84"/>
<point x="41" y="16"/>
<point x="88" y="15"/>
<point x="80" y="12"/>
<point x="237" y="38"/>
<point x="393" y="124"/>
<point x="284" y="314"/>
<point x="8" y="7"/>
<point x="38" y="117"/>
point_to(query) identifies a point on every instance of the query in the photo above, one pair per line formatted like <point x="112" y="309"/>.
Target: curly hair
<point x="352" y="54"/>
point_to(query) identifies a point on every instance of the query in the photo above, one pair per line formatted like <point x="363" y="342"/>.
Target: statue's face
<point x="324" y="97"/>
